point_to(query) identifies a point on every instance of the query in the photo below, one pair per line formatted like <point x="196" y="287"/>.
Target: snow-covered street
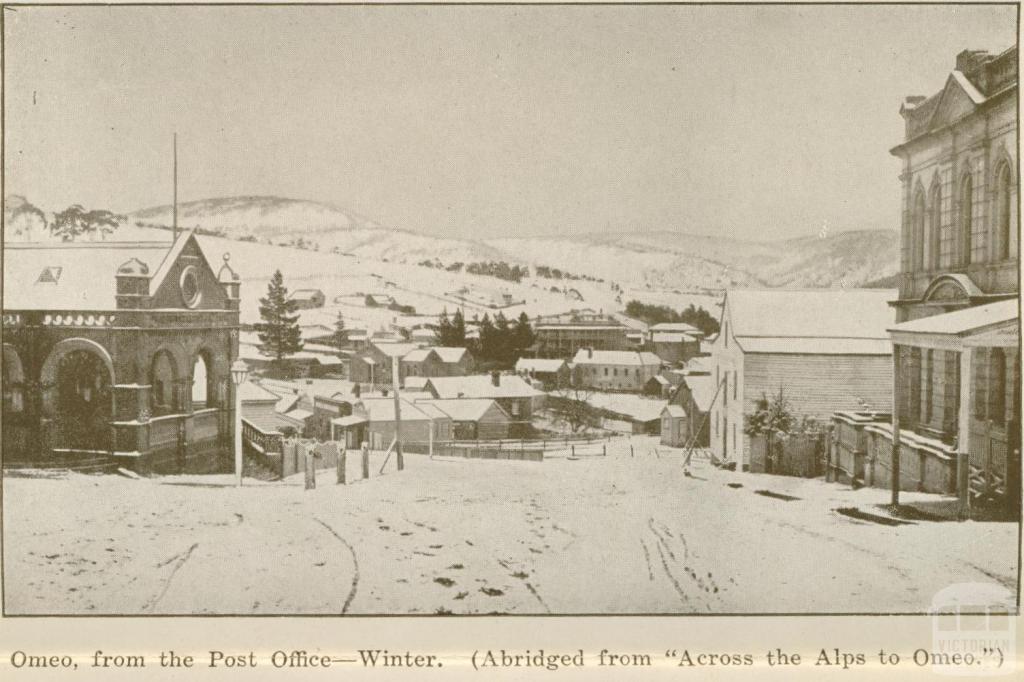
<point x="601" y="535"/>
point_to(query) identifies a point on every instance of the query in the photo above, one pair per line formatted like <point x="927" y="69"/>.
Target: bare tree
<point x="570" y="405"/>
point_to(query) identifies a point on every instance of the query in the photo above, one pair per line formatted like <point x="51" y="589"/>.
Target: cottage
<point x="118" y="352"/>
<point x="437" y="361"/>
<point x="374" y="365"/>
<point x="615" y="370"/>
<point x="825" y="349"/>
<point x="516" y="397"/>
<point x="307" y="299"/>
<point x="259" y="409"/>
<point x="373" y="421"/>
<point x="551" y="373"/>
<point x="473" y="418"/>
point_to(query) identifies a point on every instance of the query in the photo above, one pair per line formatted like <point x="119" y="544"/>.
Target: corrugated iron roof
<point x="462" y="409"/>
<point x="819" y="313"/>
<point x="585" y="356"/>
<point x="481" y="386"/>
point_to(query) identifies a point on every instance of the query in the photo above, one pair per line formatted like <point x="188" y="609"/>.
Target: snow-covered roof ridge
<point x="482" y="386"/>
<point x="585" y="356"/>
<point x="810" y="313"/>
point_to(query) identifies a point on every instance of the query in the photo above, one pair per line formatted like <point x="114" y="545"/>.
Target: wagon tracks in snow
<point x="664" y="541"/>
<point x="355" y="565"/>
<point x="178" y="560"/>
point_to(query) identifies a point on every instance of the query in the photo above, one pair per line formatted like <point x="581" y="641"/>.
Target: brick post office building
<point x="118" y="354"/>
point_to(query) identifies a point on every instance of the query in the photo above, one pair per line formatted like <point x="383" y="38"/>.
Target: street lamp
<point x="239" y="373"/>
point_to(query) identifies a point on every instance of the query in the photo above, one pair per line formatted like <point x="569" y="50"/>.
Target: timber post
<point x="897" y="352"/>
<point x="366" y="460"/>
<point x="341" y="466"/>
<point x="309" y="455"/>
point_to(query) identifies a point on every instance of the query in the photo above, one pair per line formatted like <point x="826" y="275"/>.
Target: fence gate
<point x="988" y="462"/>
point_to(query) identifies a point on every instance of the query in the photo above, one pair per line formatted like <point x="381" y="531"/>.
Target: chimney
<point x="496" y="378"/>
<point x="356" y="390"/>
<point x="969" y="60"/>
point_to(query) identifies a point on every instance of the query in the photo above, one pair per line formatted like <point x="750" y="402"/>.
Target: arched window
<point x="203" y="392"/>
<point x="1003" y="208"/>
<point x="935" y="234"/>
<point x="13" y="381"/>
<point x="966" y="218"/>
<point x="917" y="218"/>
<point x="163" y="391"/>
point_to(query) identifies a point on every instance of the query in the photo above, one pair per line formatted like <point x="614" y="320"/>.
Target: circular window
<point x="189" y="285"/>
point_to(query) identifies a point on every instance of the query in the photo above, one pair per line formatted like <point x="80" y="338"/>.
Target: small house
<point x="307" y="299"/>
<point x="551" y="373"/>
<point x="473" y="418"/>
<point x="674" y="432"/>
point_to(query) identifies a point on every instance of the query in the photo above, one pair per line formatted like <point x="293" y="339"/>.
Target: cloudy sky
<point x="485" y="121"/>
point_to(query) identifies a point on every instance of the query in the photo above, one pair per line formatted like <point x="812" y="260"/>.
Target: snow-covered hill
<point x="665" y="259"/>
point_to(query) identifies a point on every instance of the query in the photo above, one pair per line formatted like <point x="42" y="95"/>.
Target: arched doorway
<point x="13" y="382"/>
<point x="203" y="390"/>
<point x="77" y="397"/>
<point x="163" y="382"/>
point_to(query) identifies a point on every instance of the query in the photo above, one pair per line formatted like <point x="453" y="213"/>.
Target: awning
<point x="966" y="327"/>
<point x="351" y="420"/>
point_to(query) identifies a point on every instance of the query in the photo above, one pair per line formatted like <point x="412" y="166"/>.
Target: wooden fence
<point x="800" y="455"/>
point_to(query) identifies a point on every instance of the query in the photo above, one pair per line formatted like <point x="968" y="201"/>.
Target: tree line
<point x="501" y="341"/>
<point x="657" y="314"/>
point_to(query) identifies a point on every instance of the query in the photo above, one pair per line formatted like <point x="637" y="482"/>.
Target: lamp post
<point x="239" y="373"/>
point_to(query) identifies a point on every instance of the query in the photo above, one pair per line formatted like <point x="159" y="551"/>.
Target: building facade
<point x="956" y="357"/>
<point x="118" y="353"/>
<point x="615" y="370"/>
<point x="824" y="350"/>
<point x="562" y="336"/>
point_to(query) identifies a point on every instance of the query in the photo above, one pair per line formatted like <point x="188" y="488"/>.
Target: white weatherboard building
<point x="826" y="349"/>
<point x="615" y="370"/>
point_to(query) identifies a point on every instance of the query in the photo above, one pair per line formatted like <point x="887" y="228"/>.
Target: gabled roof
<point x="450" y="353"/>
<point x="463" y="409"/>
<point x="415" y="383"/>
<point x="418" y="355"/>
<point x="383" y="410"/>
<point x="674" y="411"/>
<point x="431" y="411"/>
<point x="394" y="350"/>
<point x="585" y="356"/>
<point x="81" y="275"/>
<point x="539" y="364"/>
<point x="809" y="314"/>
<point x="254" y="393"/>
<point x="481" y="386"/>
<point x="702" y="388"/>
<point x="306" y="293"/>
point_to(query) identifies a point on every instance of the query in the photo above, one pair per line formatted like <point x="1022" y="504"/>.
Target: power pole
<point x="174" y="218"/>
<point x="398" y="414"/>
<point x="897" y="368"/>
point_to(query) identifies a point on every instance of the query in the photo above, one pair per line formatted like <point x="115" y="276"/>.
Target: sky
<point x="477" y="122"/>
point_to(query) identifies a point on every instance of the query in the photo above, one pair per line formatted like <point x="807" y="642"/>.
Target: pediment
<point x="954" y="103"/>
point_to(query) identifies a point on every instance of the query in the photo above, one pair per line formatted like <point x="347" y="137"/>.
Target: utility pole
<point x="897" y="366"/>
<point x="174" y="218"/>
<point x="398" y="414"/>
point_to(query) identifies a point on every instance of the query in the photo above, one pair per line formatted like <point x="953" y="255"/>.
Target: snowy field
<point x="603" y="535"/>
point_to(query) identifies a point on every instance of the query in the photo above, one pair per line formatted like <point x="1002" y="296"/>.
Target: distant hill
<point x="664" y="260"/>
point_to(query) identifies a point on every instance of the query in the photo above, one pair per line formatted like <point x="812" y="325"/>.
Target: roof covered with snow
<point x="702" y="388"/>
<point x="482" y="386"/>
<point x="809" y="314"/>
<point x="394" y="350"/>
<point x="252" y="392"/>
<point x="585" y="356"/>
<point x="674" y="411"/>
<point x="675" y="327"/>
<point x="539" y="365"/>
<point x="79" y="276"/>
<point x="962" y="322"/>
<point x="462" y="409"/>
<point x="383" y="410"/>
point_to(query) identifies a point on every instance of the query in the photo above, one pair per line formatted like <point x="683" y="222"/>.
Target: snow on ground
<point x="615" y="534"/>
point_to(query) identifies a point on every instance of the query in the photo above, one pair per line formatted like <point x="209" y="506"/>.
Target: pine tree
<point x="444" y="329"/>
<point x="458" y="330"/>
<point x="502" y="345"/>
<point x="340" y="333"/>
<point x="487" y="339"/>
<point x="523" y="336"/>
<point x="279" y="332"/>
